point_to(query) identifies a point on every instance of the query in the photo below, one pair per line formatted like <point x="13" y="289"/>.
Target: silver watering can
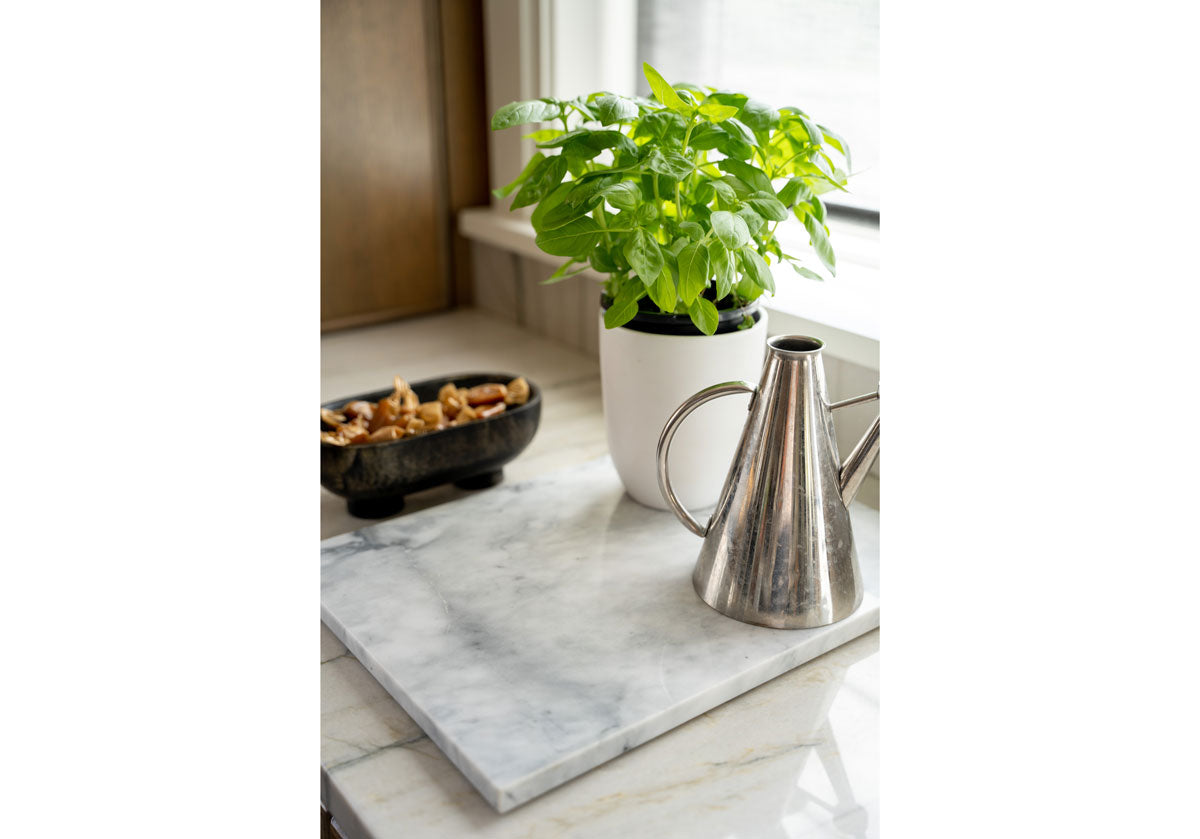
<point x="778" y="550"/>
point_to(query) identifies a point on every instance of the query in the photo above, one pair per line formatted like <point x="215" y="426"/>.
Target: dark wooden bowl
<point x="375" y="477"/>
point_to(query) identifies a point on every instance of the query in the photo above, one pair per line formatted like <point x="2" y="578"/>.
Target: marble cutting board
<point x="537" y="630"/>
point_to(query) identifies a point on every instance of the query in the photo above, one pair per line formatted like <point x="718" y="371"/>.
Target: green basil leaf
<point x="544" y="135"/>
<point x="574" y="239"/>
<point x="670" y="163"/>
<point x="663" y="91"/>
<point x="644" y="255"/>
<point x="663" y="291"/>
<point x="692" y="230"/>
<point x="706" y="136"/>
<point x="625" y="306"/>
<point x="730" y="229"/>
<point x="825" y="185"/>
<point x="838" y="143"/>
<point x="562" y="138"/>
<point x="737" y="129"/>
<point x="818" y="208"/>
<point x="722" y="268"/>
<point x="725" y="97"/>
<point x="795" y="190"/>
<point x="717" y="112"/>
<point x="590" y="143"/>
<point x="693" y="272"/>
<point x="624" y="220"/>
<point x="748" y="290"/>
<point x="620" y="312"/>
<point x="600" y="259"/>
<point x="756" y="269"/>
<point x="556" y="197"/>
<point x="645" y="214"/>
<point x="768" y="206"/>
<point x="759" y="116"/>
<point x="754" y="222"/>
<point x="804" y="272"/>
<point x="811" y="131"/>
<point x="822" y="162"/>
<point x="541" y="182"/>
<point x="820" y="243"/>
<point x="530" y="167"/>
<point x="830" y="177"/>
<point x="740" y="189"/>
<point x="704" y="314"/>
<point x="624" y="195"/>
<point x="580" y="199"/>
<point x="726" y="197"/>
<point x="576" y="165"/>
<point x="735" y="149"/>
<point x="752" y="176"/>
<point x="666" y="127"/>
<point x="610" y="109"/>
<point x="703" y="193"/>
<point x="607" y="171"/>
<point x="520" y="113"/>
<point x="580" y="104"/>
<point x="564" y="271"/>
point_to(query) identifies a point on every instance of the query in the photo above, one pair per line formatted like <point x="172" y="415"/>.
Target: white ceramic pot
<point x="646" y="376"/>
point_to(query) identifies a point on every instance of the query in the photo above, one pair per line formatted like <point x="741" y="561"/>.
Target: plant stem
<point x="603" y="226"/>
<point x="687" y="135"/>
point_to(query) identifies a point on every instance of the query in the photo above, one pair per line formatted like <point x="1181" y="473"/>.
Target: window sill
<point x="843" y="312"/>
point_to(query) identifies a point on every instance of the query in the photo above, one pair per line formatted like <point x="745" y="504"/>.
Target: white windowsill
<point x="843" y="312"/>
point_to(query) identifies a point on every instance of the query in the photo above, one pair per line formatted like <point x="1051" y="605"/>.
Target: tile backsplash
<point x="510" y="285"/>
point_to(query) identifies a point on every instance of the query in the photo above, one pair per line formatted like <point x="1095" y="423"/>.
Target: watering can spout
<point x="858" y="463"/>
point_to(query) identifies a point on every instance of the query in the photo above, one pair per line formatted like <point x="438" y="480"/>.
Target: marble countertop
<point x="795" y="757"/>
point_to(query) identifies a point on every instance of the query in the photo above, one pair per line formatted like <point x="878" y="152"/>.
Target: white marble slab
<point x="537" y="630"/>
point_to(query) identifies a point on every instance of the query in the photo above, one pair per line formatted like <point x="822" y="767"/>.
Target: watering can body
<point x="778" y="550"/>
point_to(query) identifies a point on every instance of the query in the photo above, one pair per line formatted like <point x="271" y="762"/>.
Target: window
<point x="819" y="55"/>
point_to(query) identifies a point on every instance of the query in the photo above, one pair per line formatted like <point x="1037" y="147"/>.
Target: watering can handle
<point x="668" y="433"/>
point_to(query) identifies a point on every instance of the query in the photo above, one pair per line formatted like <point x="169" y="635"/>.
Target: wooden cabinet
<point x="398" y="155"/>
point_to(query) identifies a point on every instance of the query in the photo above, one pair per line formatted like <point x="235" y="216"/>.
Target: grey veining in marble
<point x="537" y="630"/>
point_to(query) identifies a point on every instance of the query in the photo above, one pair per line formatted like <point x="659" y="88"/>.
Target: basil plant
<point x="677" y="198"/>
